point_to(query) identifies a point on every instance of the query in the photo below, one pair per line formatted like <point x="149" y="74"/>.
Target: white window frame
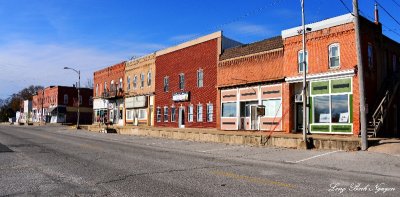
<point x="190" y="113"/>
<point x="166" y="114"/>
<point x="210" y="112"/>
<point x="199" y="85"/>
<point x="330" y="54"/>
<point x="65" y="99"/>
<point x="199" y="113"/>
<point x="298" y="61"/>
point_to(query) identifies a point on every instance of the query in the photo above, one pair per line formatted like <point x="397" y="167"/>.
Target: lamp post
<point x="79" y="84"/>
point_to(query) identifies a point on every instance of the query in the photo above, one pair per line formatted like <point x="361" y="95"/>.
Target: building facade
<point x="59" y="104"/>
<point x="139" y="91"/>
<point x="108" y="92"/>
<point x="250" y="84"/>
<point x="185" y="83"/>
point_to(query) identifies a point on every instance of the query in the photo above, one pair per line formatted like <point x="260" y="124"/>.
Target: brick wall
<point x="188" y="60"/>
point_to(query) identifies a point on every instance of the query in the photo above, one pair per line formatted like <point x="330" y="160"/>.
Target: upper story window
<point x="65" y="99"/>
<point x="141" y="80"/>
<point x="301" y="59"/>
<point x="334" y="55"/>
<point x="134" y="82"/>
<point x="149" y="78"/>
<point x="181" y="81"/>
<point x="97" y="89"/>
<point x="128" y="81"/>
<point x="370" y="56"/>
<point x="166" y="84"/>
<point x="200" y="78"/>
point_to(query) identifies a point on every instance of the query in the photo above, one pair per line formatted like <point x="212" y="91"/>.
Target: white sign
<point x="344" y="117"/>
<point x="324" y="118"/>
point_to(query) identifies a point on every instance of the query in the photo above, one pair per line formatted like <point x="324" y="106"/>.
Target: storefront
<point x="252" y="108"/>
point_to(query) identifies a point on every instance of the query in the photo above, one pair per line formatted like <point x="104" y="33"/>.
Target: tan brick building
<point x="139" y="91"/>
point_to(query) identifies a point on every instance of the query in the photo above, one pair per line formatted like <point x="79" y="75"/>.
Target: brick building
<point x="108" y="94"/>
<point x="250" y="76"/>
<point x="139" y="91"/>
<point x="59" y="104"/>
<point x="185" y="83"/>
<point x="333" y="88"/>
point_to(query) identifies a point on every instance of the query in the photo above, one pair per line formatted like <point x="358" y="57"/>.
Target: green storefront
<point x="331" y="106"/>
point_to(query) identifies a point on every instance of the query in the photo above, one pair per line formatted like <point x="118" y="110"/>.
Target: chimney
<point x="376" y="14"/>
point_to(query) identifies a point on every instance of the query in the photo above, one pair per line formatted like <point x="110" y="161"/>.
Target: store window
<point x="229" y="109"/>
<point x="300" y="59"/>
<point x="199" y="113"/>
<point x="273" y="107"/>
<point x="190" y="113"/>
<point x="210" y="111"/>
<point x="165" y="114"/>
<point x="334" y="55"/>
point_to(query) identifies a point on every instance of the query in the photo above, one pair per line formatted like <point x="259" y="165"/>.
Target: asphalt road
<point x="56" y="161"/>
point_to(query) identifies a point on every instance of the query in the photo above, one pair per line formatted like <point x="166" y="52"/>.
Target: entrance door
<point x="253" y="117"/>
<point x="299" y="117"/>
<point x="181" y="120"/>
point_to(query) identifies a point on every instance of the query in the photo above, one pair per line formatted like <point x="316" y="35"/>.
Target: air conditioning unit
<point x="298" y="98"/>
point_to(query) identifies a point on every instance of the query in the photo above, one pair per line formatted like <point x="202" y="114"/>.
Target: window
<point x="190" y="113"/>
<point x="141" y="80"/>
<point x="210" y="112"/>
<point x="200" y="78"/>
<point x="97" y="89"/>
<point x="149" y="78"/>
<point x="165" y="114"/>
<point x="229" y="109"/>
<point x="129" y="114"/>
<point x="142" y="114"/>
<point x="158" y="114"/>
<point x="172" y="114"/>
<point x="321" y="109"/>
<point x="66" y="99"/>
<point x="370" y="56"/>
<point x="300" y="59"/>
<point x="128" y="81"/>
<point x="181" y="81"/>
<point x="199" y="113"/>
<point x="273" y="107"/>
<point x="334" y="55"/>
<point x="166" y="84"/>
<point x="134" y="82"/>
<point x="91" y="100"/>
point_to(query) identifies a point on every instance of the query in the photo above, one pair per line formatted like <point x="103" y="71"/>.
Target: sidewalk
<point x="251" y="138"/>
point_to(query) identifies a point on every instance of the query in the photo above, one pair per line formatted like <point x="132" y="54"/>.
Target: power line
<point x="387" y="12"/>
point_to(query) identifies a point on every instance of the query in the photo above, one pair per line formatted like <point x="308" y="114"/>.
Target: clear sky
<point x="39" y="37"/>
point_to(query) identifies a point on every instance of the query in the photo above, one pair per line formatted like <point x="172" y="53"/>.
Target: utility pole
<point x="305" y="125"/>
<point x="360" y="70"/>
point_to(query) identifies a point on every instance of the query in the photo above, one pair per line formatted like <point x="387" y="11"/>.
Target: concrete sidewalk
<point x="252" y="138"/>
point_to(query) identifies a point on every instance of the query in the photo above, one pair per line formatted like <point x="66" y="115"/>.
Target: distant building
<point x="108" y="92"/>
<point x="59" y="104"/>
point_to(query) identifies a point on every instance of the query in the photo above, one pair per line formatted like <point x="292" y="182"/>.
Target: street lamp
<point x="79" y="85"/>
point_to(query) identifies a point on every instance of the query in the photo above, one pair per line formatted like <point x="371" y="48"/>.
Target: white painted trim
<point x="331" y="22"/>
<point x="322" y="76"/>
<point x="205" y="38"/>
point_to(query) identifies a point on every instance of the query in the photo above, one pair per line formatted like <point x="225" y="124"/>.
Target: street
<point x="58" y="161"/>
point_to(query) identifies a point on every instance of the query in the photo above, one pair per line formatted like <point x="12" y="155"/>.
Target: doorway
<point x="181" y="120"/>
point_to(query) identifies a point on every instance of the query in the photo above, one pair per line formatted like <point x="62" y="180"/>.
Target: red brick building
<point x="59" y="104"/>
<point x="333" y="88"/>
<point x="185" y="82"/>
<point x="250" y="76"/>
<point x="108" y="92"/>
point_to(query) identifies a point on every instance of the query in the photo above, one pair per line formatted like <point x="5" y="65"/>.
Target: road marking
<point x="313" y="157"/>
<point x="252" y="179"/>
<point x="204" y="151"/>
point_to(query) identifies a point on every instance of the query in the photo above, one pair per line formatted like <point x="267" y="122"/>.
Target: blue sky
<point x="39" y="37"/>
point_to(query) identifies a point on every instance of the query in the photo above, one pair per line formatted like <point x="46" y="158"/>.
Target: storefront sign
<point x="180" y="96"/>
